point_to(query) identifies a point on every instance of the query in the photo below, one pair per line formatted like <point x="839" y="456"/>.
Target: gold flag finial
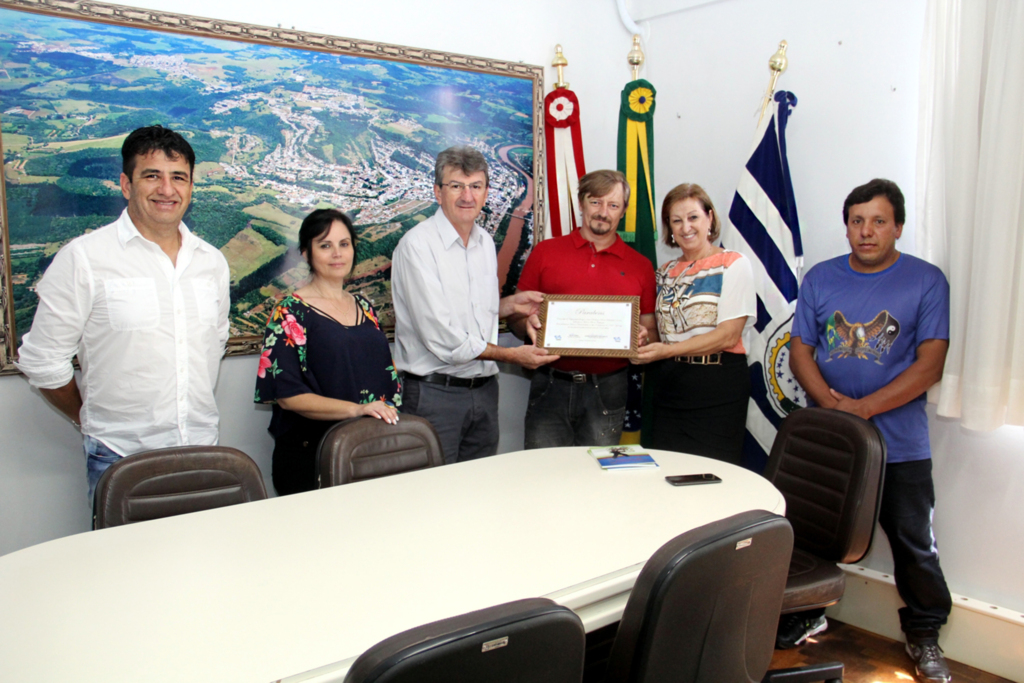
<point x="560" y="62"/>
<point x="777" y="63"/>
<point x="635" y="56"/>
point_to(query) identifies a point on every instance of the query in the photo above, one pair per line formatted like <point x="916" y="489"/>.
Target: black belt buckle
<point x="574" y="376"/>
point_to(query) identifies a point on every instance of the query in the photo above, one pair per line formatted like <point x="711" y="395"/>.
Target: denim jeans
<point x="98" y="457"/>
<point x="908" y="504"/>
<point x="566" y="413"/>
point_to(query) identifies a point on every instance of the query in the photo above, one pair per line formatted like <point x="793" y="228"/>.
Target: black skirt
<point x="294" y="464"/>
<point x="702" y="409"/>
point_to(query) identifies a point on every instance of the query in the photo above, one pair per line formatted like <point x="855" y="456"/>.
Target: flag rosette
<point x="638" y="100"/>
<point x="641" y="100"/>
<point x="562" y="110"/>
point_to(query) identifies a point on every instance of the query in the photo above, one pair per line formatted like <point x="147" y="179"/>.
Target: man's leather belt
<point x="576" y="377"/>
<point x="713" y="359"/>
<point x="449" y="381"/>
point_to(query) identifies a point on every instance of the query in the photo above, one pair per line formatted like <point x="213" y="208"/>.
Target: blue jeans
<point x="98" y="457"/>
<point x="566" y="413"/>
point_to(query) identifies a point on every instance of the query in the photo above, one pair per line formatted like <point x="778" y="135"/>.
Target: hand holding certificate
<point x="584" y="325"/>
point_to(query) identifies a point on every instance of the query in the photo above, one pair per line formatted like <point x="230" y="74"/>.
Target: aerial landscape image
<point x="277" y="133"/>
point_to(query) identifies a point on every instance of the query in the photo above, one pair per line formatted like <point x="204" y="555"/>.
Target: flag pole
<point x="635" y="57"/>
<point x="778" y="64"/>
<point x="560" y="62"/>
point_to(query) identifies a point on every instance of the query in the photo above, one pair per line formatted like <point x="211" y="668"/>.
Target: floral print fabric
<point x="305" y="351"/>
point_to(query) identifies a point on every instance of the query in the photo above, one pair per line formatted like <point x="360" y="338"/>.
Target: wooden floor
<point x="868" y="658"/>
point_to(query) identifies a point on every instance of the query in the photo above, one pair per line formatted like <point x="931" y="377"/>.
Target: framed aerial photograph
<point x="282" y="122"/>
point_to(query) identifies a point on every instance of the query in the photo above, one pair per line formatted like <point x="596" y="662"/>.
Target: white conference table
<point x="295" y="588"/>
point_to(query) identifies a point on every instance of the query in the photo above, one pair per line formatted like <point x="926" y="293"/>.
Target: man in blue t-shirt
<point x="869" y="337"/>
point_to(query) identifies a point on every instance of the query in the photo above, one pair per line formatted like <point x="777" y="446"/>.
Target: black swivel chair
<point x="173" y="481"/>
<point x="829" y="466"/>
<point x="527" y="641"/>
<point x="705" y="608"/>
<point x="367" y="448"/>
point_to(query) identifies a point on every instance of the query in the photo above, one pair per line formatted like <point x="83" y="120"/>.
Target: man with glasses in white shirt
<point x="444" y="284"/>
<point x="143" y="303"/>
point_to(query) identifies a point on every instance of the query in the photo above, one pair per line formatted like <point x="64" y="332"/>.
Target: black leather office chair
<point x="706" y="605"/>
<point x="534" y="640"/>
<point x="367" y="448"/>
<point x="829" y="466"/>
<point x="173" y="481"/>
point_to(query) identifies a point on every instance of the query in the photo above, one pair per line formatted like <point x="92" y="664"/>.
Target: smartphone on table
<point x="693" y="479"/>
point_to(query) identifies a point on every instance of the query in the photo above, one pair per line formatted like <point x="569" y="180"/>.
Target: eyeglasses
<point x="456" y="187"/>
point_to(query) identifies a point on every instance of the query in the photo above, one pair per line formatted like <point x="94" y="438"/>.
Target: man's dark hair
<point x="318" y="224"/>
<point x="142" y="141"/>
<point x="877" y="187"/>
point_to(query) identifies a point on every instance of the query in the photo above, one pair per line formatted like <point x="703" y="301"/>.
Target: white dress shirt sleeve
<point x="416" y="282"/>
<point x="224" y="294"/>
<point x="65" y="303"/>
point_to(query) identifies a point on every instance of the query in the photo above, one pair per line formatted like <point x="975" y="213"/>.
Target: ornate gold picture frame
<point x="604" y="326"/>
<point x="282" y="122"/>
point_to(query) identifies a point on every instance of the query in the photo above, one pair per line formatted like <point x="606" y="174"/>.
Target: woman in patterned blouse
<point x="324" y="356"/>
<point x="705" y="301"/>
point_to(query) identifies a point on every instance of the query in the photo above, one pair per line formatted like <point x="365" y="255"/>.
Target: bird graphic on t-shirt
<point x="867" y="341"/>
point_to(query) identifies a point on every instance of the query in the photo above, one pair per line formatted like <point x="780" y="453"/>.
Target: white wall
<point x="854" y="67"/>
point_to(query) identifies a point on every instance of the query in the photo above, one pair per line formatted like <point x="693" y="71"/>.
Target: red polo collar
<point x="617" y="247"/>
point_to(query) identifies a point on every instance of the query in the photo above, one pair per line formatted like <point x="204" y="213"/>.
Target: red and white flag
<point x="564" y="159"/>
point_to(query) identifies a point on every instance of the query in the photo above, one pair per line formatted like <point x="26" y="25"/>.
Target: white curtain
<point x="970" y="194"/>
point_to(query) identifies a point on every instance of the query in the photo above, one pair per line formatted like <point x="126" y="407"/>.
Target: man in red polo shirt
<point x="581" y="401"/>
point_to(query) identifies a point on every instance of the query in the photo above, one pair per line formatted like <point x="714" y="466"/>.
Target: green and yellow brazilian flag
<point x="636" y="161"/>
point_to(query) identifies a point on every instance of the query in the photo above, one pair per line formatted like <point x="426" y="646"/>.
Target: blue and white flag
<point x="763" y="225"/>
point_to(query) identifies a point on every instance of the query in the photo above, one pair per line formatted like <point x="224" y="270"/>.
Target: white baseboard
<point x="978" y="634"/>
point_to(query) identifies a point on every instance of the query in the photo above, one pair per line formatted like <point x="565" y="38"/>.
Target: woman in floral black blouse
<point x="324" y="356"/>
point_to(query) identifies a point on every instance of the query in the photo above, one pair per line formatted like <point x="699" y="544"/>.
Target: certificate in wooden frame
<point x="282" y="121"/>
<point x="634" y="301"/>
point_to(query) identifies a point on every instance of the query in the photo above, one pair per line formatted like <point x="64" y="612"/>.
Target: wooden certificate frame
<point x="546" y="320"/>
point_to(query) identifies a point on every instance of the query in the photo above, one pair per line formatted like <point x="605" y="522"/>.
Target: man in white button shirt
<point x="444" y="284"/>
<point x="143" y="303"/>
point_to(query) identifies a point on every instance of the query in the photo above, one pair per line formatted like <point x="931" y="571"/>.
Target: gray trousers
<point x="465" y="419"/>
